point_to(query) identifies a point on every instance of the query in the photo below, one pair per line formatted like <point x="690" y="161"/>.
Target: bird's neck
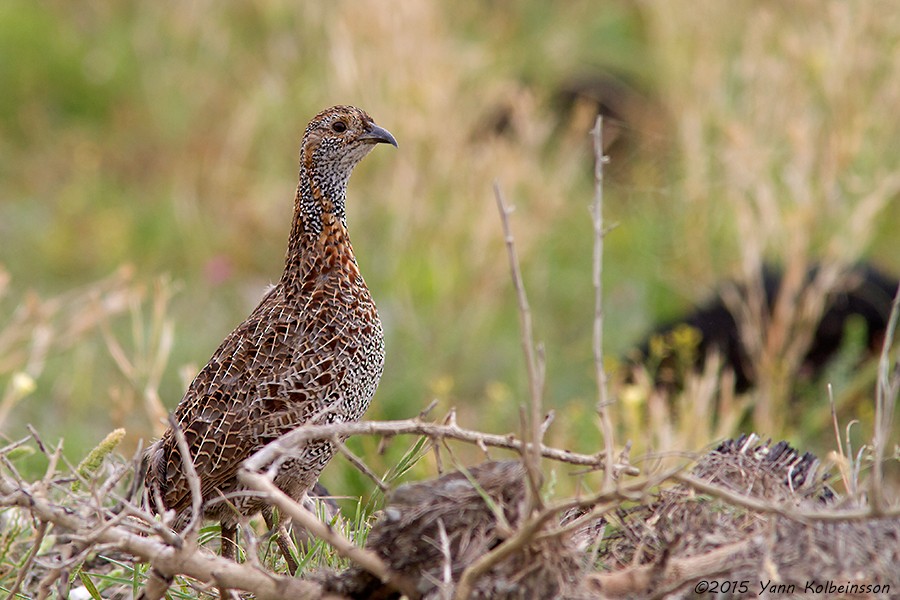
<point x="319" y="241"/>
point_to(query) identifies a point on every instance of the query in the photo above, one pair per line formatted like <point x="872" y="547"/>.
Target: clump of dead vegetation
<point x="747" y="511"/>
<point x="433" y="532"/>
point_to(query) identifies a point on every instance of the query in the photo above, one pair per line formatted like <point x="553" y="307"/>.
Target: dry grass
<point x="38" y="329"/>
<point x="786" y="156"/>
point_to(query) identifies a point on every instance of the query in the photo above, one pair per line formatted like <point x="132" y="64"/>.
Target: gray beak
<point x="378" y="135"/>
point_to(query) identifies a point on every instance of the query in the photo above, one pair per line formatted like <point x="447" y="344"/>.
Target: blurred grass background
<point x="148" y="160"/>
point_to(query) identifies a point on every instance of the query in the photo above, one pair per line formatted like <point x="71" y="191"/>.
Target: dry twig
<point x="533" y="358"/>
<point x="360" y="465"/>
<point x="764" y="507"/>
<point x="288" y="442"/>
<point x="602" y="392"/>
<point x="187" y="463"/>
<point x="26" y="568"/>
<point x="885" y="399"/>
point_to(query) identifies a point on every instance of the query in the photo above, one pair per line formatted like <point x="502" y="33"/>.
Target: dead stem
<point x="533" y="358"/>
<point x="29" y="560"/>
<point x="603" y="401"/>
<point x="885" y="401"/>
<point x="193" y="480"/>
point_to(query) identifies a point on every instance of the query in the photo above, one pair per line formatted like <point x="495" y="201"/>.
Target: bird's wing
<point x="277" y="370"/>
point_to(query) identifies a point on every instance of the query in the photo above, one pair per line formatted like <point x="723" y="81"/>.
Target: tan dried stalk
<point x="533" y="359"/>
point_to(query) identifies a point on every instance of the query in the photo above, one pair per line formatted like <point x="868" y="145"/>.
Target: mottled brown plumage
<point x="311" y="352"/>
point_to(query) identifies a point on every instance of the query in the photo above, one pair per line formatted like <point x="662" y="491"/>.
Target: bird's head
<point x="337" y="139"/>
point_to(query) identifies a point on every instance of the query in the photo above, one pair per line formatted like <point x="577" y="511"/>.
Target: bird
<point x="311" y="352"/>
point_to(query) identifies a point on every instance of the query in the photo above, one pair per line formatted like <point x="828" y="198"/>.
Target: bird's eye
<point x="339" y="127"/>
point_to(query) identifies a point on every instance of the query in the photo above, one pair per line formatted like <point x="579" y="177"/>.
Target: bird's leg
<point x="228" y="545"/>
<point x="282" y="538"/>
<point x="229" y="542"/>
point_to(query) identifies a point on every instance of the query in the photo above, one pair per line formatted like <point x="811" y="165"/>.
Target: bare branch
<point x="597" y="213"/>
<point x="761" y="506"/>
<point x="358" y="463"/>
<point x="299" y="436"/>
<point x="190" y="473"/>
<point x="36" y="544"/>
<point x="12" y="446"/>
<point x="533" y="359"/>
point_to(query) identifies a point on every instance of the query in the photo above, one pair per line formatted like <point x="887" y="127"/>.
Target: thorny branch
<point x="288" y="443"/>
